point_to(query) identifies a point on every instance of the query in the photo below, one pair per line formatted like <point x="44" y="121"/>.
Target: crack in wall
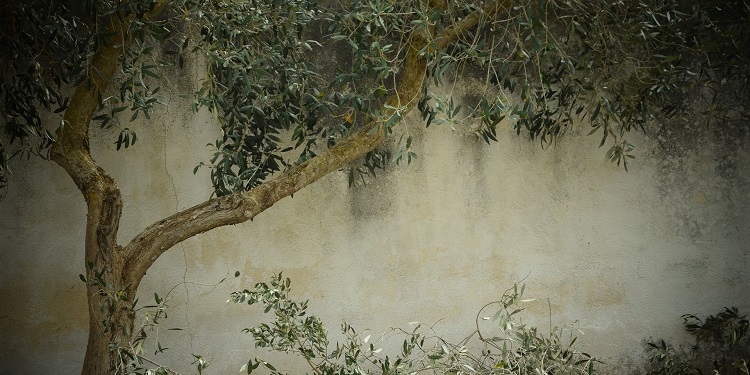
<point x="182" y="246"/>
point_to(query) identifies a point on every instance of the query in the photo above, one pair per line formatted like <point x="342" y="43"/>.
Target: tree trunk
<point x="110" y="296"/>
<point x="100" y="359"/>
<point x="108" y="332"/>
<point x="109" y="293"/>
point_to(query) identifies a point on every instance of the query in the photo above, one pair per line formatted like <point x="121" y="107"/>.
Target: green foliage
<point x="508" y="347"/>
<point x="34" y="66"/>
<point x="515" y="347"/>
<point x="615" y="65"/>
<point x="261" y="85"/>
<point x="288" y="78"/>
<point x="721" y="347"/>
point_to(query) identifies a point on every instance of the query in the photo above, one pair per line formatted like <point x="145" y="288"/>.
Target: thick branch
<point x="450" y="34"/>
<point x="145" y="248"/>
<point x="71" y="149"/>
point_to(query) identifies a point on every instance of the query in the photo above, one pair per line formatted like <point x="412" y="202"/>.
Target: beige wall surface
<point x="625" y="254"/>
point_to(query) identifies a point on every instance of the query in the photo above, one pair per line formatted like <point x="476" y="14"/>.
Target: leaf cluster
<point x="286" y="79"/>
<point x="721" y="347"/>
<point x="617" y="66"/>
<point x="260" y="86"/>
<point x="36" y="41"/>
<point x="515" y="349"/>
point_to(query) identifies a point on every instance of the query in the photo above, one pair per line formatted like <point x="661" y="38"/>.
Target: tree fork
<point x="109" y="322"/>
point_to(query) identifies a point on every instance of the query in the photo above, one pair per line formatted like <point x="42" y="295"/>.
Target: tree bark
<point x="103" y="198"/>
<point x="108" y="290"/>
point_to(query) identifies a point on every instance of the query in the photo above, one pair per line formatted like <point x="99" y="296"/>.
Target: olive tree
<point x="286" y="120"/>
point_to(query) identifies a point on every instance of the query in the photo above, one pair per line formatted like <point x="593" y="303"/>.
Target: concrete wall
<point x="625" y="254"/>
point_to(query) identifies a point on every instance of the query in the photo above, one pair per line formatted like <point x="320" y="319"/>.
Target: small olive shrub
<point x="721" y="347"/>
<point x="514" y="348"/>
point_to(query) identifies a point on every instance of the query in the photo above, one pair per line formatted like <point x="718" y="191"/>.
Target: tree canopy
<point x="545" y="65"/>
<point x="300" y="88"/>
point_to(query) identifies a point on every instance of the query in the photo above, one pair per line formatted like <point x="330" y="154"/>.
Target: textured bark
<point x="104" y="201"/>
<point x="121" y="269"/>
<point x="110" y="314"/>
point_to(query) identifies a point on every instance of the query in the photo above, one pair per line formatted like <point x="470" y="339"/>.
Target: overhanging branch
<point x="239" y="207"/>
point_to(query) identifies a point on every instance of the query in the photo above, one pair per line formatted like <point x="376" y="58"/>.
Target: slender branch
<point x="165" y="368"/>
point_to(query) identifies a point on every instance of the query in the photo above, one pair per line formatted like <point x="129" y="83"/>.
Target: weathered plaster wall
<point x="623" y="253"/>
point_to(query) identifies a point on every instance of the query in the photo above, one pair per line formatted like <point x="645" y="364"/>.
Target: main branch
<point x="236" y="208"/>
<point x="239" y="207"/>
<point x="71" y="148"/>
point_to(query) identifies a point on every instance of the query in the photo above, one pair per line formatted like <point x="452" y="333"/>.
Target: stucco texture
<point x="623" y="253"/>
